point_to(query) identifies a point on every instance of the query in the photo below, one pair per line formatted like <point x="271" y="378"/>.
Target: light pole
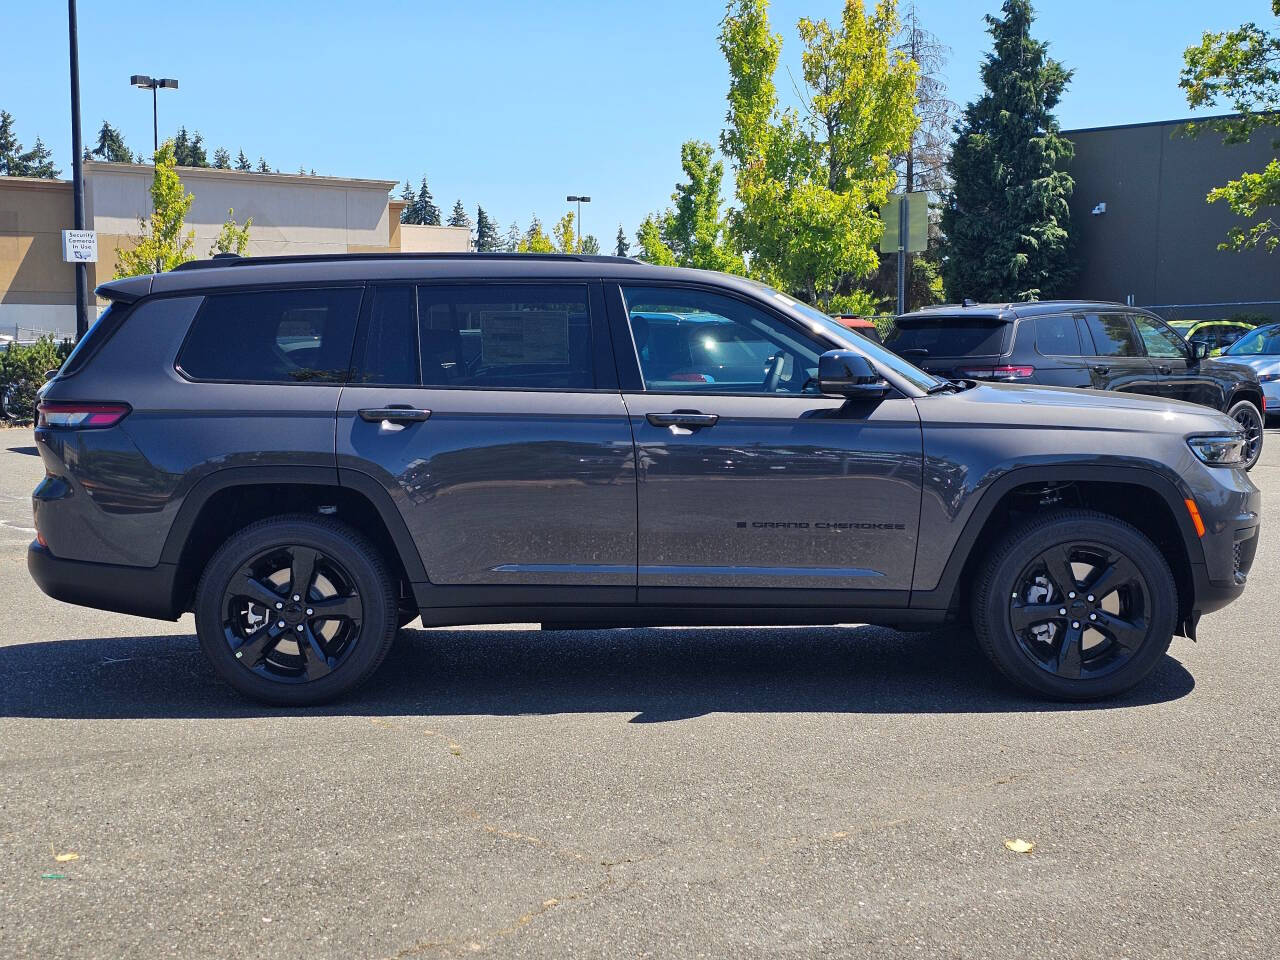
<point x="77" y="173"/>
<point x="580" y="201"/>
<point x="143" y="82"/>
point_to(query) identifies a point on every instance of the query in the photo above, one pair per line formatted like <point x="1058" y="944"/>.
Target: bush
<point x="1253" y="319"/>
<point x="22" y="372"/>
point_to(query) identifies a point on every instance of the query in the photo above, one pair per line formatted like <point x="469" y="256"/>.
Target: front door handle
<point x="1165" y="369"/>
<point x="682" y="418"/>
<point x="1102" y="370"/>
<point x="394" y="414"/>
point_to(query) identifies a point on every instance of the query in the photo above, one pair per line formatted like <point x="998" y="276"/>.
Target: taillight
<point x="1004" y="372"/>
<point x="84" y="416"/>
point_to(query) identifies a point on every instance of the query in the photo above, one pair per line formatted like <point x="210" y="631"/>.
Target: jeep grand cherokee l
<point x="1102" y="346"/>
<point x="310" y="452"/>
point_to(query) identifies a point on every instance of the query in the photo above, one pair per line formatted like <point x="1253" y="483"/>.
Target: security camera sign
<point x="79" y="246"/>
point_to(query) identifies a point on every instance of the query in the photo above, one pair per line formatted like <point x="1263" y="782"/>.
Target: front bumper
<point x="141" y="591"/>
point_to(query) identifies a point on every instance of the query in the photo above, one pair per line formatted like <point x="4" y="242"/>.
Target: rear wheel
<point x="1252" y="423"/>
<point x="296" y="611"/>
<point x="1075" y="605"/>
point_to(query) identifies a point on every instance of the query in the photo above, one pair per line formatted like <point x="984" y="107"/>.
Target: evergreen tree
<point x="459" y="216"/>
<point x="488" y="240"/>
<point x="10" y="148"/>
<point x="427" y="208"/>
<point x="513" y="238"/>
<point x="222" y="159"/>
<point x="38" y="162"/>
<point x="188" y="149"/>
<point x="110" y="146"/>
<point x="409" y="211"/>
<point x="242" y="163"/>
<point x="590" y="245"/>
<point x="622" y="246"/>
<point x="1006" y="220"/>
<point x="263" y="166"/>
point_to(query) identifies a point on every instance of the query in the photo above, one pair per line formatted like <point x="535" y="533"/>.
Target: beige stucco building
<point x="292" y="214"/>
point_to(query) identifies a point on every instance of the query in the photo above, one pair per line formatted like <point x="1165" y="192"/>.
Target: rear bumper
<point x="141" y="591"/>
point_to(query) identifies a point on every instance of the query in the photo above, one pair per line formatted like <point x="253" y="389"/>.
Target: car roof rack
<point x="235" y="260"/>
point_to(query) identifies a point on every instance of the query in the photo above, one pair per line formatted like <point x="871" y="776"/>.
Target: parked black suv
<point x="310" y="452"/>
<point x="1103" y="346"/>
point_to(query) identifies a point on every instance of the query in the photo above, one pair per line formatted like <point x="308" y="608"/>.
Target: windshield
<point x="1264" y="340"/>
<point x="877" y="354"/>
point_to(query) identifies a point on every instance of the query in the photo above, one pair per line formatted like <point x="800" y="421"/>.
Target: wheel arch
<point x="228" y="500"/>
<point x="1162" y="517"/>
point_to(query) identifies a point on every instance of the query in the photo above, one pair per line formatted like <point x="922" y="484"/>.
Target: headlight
<point x="1226" y="450"/>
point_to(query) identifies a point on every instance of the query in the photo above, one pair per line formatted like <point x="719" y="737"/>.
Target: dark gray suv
<point x="311" y="452"/>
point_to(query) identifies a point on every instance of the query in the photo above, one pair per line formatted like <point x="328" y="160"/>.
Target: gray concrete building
<point x="1145" y="233"/>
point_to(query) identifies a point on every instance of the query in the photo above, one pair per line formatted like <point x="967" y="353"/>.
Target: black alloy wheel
<point x="1079" y="610"/>
<point x="292" y="614"/>
<point x="1251" y="422"/>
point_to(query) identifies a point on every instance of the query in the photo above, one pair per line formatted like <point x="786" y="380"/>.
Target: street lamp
<point x="143" y="82"/>
<point x="580" y="202"/>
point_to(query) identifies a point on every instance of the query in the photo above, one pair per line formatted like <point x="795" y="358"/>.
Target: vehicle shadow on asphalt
<point x="656" y="674"/>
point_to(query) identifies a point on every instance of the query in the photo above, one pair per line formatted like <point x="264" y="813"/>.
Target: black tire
<point x="346" y="577"/>
<point x="1254" y="424"/>
<point x="1072" y="657"/>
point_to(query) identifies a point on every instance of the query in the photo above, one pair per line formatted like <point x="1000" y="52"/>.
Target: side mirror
<point x="1199" y="350"/>
<point x="844" y="373"/>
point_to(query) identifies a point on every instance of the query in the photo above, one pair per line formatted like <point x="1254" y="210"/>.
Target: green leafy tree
<point x="590" y="245"/>
<point x="652" y="247"/>
<point x="621" y="246"/>
<point x="111" y="146"/>
<point x="535" y="240"/>
<point x="1007" y="221"/>
<point x="22" y="374"/>
<point x="232" y="238"/>
<point x="242" y="163"/>
<point x="488" y="240"/>
<point x="695" y="230"/>
<point x="459" y="216"/>
<point x="188" y="149"/>
<point x="164" y="241"/>
<point x="222" y="159"/>
<point x="563" y="233"/>
<point x="809" y="183"/>
<point x="1241" y="68"/>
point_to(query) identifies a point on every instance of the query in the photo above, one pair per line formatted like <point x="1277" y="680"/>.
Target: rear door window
<point x="273" y="336"/>
<point x="954" y="336"/>
<point x="1112" y="335"/>
<point x="1058" y="336"/>
<point x="513" y="336"/>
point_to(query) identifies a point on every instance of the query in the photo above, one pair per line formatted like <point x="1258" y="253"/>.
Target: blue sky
<point x="513" y="105"/>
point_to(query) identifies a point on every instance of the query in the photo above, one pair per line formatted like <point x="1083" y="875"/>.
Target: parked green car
<point x="1218" y="334"/>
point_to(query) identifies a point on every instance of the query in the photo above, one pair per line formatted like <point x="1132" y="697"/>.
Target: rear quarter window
<point x="954" y="336"/>
<point x="275" y="336"/>
<point x="1058" y="336"/>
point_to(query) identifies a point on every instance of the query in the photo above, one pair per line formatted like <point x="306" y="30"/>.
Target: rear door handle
<point x="394" y="414"/>
<point x="690" y="418"/>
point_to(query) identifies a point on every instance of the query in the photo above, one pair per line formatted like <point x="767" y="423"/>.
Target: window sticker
<point x="510" y="337"/>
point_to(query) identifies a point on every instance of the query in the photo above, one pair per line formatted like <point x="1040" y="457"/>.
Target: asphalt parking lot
<point x="666" y="793"/>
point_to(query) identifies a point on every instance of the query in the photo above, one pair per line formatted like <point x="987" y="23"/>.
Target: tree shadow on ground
<point x="656" y="674"/>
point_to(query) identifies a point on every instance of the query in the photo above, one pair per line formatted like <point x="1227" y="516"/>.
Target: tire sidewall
<point x="1262" y="428"/>
<point x="991" y="618"/>
<point x="360" y="561"/>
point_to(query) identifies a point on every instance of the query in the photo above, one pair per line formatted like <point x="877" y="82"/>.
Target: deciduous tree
<point x="232" y="238"/>
<point x="1241" y="68"/>
<point x="563" y="232"/>
<point x="164" y="241"/>
<point x="535" y="240"/>
<point x="1006" y="220"/>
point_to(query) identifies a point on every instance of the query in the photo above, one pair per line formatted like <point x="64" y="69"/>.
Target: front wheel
<point x="1075" y="605"/>
<point x="1251" y="422"/>
<point x="296" y="611"/>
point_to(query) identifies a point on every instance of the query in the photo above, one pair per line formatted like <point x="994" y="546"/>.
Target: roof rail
<point x="235" y="260"/>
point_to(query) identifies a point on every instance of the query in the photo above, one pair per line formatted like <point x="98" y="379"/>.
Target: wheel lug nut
<point x="1071" y="595"/>
<point x="299" y="628"/>
<point x="1091" y="598"/>
<point x="1075" y="624"/>
<point x="310" y="611"/>
<point x="296" y="597"/>
<point x="279" y="605"/>
<point x="1062" y="611"/>
<point x="1093" y="616"/>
